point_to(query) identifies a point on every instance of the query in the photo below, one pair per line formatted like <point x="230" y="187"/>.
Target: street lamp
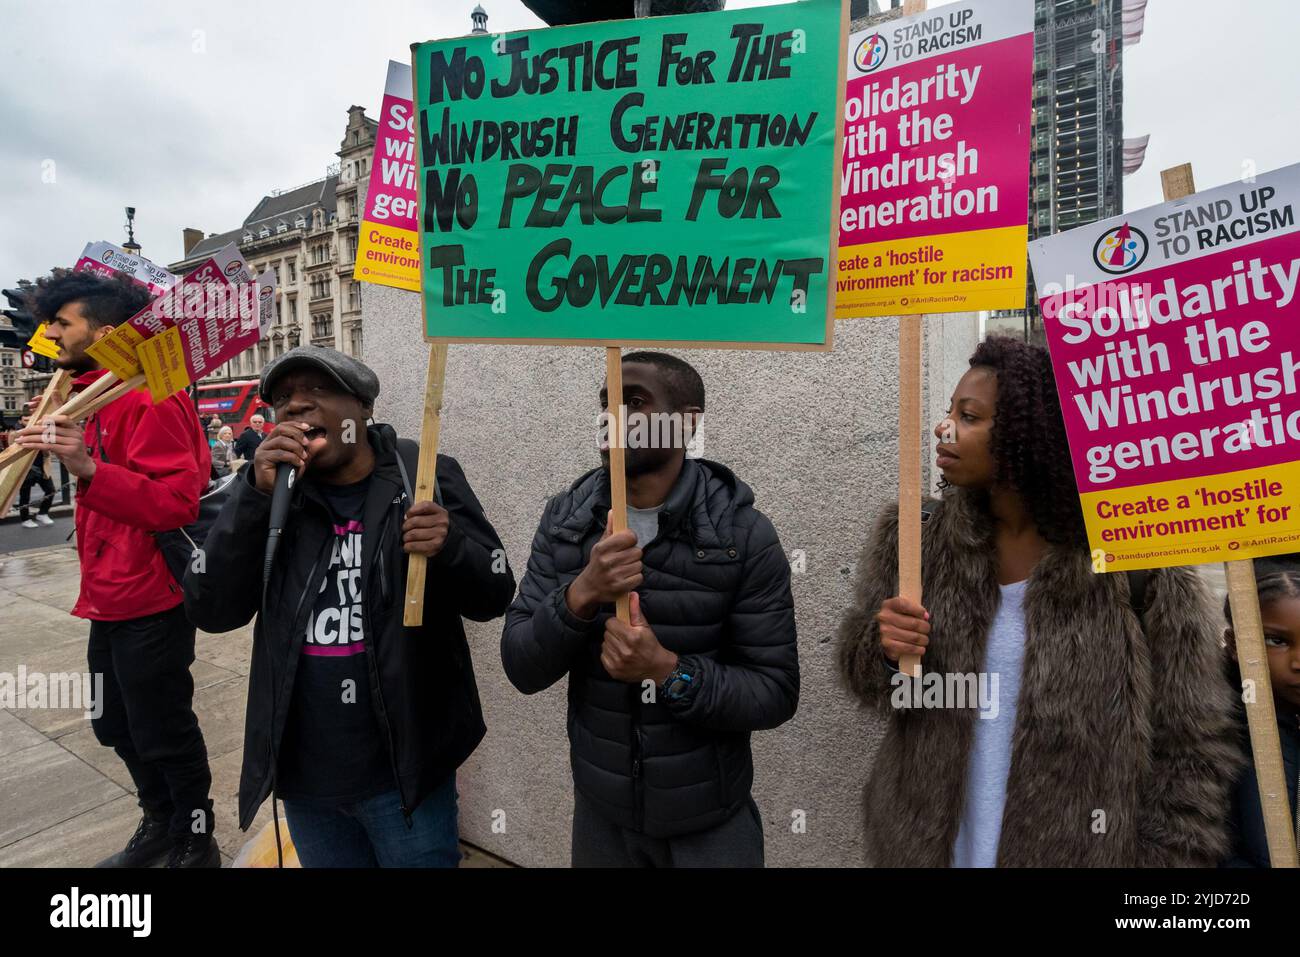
<point x="562" y="12"/>
<point x="131" y="245"/>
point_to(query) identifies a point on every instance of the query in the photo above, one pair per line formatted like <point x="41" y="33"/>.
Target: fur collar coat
<point x="1124" y="746"/>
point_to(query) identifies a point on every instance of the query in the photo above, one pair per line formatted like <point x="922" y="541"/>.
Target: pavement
<point x="13" y="537"/>
<point x="65" y="800"/>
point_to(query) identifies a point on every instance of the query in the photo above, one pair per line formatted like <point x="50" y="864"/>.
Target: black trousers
<point x="24" y="494"/>
<point x="147" y="714"/>
<point x="736" y="842"/>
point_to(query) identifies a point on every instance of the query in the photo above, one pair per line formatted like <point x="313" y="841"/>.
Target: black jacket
<point x="247" y="442"/>
<point x="422" y="682"/>
<point x="716" y="592"/>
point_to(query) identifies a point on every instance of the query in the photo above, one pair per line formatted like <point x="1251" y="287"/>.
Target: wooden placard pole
<point x="1261" y="716"/>
<point x="12" y="476"/>
<point x="1243" y="599"/>
<point x="86" y="395"/>
<point x="909" y="450"/>
<point x="617" y="467"/>
<point x="87" y="403"/>
<point x="909" y="471"/>
<point x="616" y="425"/>
<point x="417" y="566"/>
<point x="83" y="405"/>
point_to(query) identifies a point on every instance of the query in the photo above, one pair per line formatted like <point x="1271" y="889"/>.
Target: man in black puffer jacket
<point x="660" y="711"/>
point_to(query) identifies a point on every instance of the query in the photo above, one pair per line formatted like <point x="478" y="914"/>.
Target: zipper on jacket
<point x="638" y="784"/>
<point x="373" y="655"/>
<point x="272" y="737"/>
<point x="634" y="712"/>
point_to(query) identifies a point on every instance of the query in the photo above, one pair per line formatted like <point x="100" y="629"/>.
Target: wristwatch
<point x="677" y="684"/>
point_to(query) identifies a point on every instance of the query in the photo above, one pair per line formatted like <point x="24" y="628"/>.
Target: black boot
<point x="148" y="845"/>
<point x="195" y="850"/>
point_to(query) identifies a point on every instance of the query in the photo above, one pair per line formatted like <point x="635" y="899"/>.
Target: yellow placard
<point x="1234" y="515"/>
<point x="42" y="346"/>
<point x="116" y="352"/>
<point x="953" y="272"/>
<point x="388" y="256"/>
<point x="163" y="359"/>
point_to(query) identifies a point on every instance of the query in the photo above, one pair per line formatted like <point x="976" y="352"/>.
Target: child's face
<point x="1282" y="641"/>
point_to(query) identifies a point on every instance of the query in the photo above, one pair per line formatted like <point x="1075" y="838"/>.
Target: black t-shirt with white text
<point x="334" y="749"/>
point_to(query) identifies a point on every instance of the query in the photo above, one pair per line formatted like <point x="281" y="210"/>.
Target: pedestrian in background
<point x="250" y="438"/>
<point x="36" y="476"/>
<point x="223" y="452"/>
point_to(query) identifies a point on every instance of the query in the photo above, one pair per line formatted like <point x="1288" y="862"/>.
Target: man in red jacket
<point x="140" y="469"/>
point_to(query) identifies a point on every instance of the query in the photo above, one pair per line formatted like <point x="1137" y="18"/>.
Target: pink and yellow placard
<point x="935" y="194"/>
<point x="1175" y="340"/>
<point x="388" y="249"/>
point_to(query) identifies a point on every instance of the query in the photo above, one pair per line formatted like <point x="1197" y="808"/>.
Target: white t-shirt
<point x="645" y="522"/>
<point x="990" y="754"/>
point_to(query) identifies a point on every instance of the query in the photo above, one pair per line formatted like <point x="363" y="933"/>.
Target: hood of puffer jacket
<point x="702" y="503"/>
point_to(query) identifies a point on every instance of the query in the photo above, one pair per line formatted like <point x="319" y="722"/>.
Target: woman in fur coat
<point x="1061" y="720"/>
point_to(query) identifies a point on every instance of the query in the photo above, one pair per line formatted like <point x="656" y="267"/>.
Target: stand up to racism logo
<point x="871" y="52"/>
<point x="1121" y="249"/>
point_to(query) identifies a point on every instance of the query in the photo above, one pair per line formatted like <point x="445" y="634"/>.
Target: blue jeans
<point x="373" y="832"/>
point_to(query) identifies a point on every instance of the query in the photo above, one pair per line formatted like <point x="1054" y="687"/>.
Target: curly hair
<point x="105" y="301"/>
<point x="1028" y="441"/>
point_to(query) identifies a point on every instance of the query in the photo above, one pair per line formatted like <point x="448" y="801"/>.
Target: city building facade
<point x="13" y="388"/>
<point x="1077" y="162"/>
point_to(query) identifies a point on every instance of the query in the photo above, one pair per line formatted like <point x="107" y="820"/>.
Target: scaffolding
<point x="1077" y="162"/>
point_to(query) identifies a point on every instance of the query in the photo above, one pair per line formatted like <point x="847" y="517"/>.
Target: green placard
<point x="667" y="180"/>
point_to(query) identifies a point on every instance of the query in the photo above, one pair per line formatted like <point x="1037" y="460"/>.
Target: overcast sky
<point x="192" y="111"/>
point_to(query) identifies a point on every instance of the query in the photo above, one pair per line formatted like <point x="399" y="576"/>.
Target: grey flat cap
<point x="352" y="374"/>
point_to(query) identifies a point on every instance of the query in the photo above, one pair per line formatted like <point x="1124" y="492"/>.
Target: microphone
<point x="284" y="475"/>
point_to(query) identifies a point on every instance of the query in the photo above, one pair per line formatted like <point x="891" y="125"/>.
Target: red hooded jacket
<point x="152" y="464"/>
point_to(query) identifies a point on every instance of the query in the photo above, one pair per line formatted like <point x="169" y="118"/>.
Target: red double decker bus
<point x="235" y="402"/>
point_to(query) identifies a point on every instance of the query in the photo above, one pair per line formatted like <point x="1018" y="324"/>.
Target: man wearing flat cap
<point x="355" y="722"/>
